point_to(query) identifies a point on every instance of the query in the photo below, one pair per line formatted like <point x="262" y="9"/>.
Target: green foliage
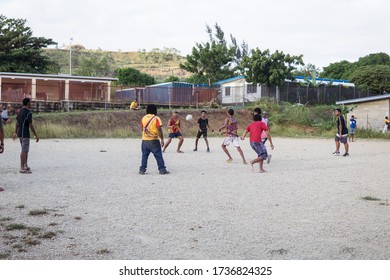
<point x="262" y="67"/>
<point x="309" y="70"/>
<point x="213" y="60"/>
<point x="375" y="78"/>
<point x="19" y="50"/>
<point x="370" y="72"/>
<point x="338" y="70"/>
<point x="95" y="63"/>
<point x="172" y="79"/>
<point x="133" y="77"/>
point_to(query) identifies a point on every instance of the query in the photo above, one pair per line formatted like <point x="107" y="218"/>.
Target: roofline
<point x="230" y="80"/>
<point x="57" y="77"/>
<point x="364" y="99"/>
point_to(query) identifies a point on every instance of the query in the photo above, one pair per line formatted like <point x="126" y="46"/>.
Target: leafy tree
<point x="19" y="50"/>
<point x="214" y="60"/>
<point x="308" y="70"/>
<point x="172" y="79"/>
<point x="338" y="70"/>
<point x="374" y="59"/>
<point x="95" y="63"/>
<point x="133" y="77"/>
<point x="262" y="67"/>
<point x="375" y="78"/>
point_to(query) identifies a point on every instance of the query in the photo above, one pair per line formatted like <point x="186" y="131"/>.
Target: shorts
<point x="343" y="139"/>
<point x="232" y="139"/>
<point x="353" y="130"/>
<point x="175" y="135"/>
<point x="25" y="143"/>
<point x="260" y="149"/>
<point x="200" y="133"/>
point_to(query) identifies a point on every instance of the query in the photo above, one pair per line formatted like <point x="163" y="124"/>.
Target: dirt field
<point x="94" y="205"/>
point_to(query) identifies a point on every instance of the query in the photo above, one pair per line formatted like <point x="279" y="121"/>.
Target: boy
<point x="255" y="129"/>
<point x="341" y="135"/>
<point x="22" y="131"/>
<point x="203" y="123"/>
<point x="352" y="126"/>
<point x="174" y="132"/>
<point x="231" y="136"/>
<point x="151" y="132"/>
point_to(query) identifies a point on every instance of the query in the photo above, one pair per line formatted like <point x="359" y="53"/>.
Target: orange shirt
<point x="151" y="133"/>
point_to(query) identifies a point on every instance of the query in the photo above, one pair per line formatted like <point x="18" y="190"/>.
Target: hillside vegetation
<point x="160" y="64"/>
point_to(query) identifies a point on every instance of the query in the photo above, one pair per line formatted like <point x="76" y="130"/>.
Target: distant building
<point x="42" y="87"/>
<point x="370" y="111"/>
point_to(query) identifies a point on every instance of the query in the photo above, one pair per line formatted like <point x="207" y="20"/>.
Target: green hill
<point x="158" y="63"/>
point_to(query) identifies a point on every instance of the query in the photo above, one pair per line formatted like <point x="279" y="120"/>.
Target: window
<point x="251" y="88"/>
<point x="227" y="91"/>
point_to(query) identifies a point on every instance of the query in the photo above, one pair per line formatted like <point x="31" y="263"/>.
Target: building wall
<point x="371" y="115"/>
<point x="237" y="89"/>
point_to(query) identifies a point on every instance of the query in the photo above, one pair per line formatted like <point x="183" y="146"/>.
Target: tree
<point x="262" y="67"/>
<point x="213" y="60"/>
<point x="338" y="70"/>
<point x="95" y="63"/>
<point x="19" y="50"/>
<point x="133" y="77"/>
<point x="375" y="78"/>
<point x="308" y="70"/>
<point x="172" y="79"/>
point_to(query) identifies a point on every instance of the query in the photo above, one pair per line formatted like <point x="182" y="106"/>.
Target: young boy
<point x="174" y="132"/>
<point x="352" y="126"/>
<point x="255" y="129"/>
<point x="151" y="132"/>
<point x="231" y="136"/>
<point x="341" y="135"/>
<point x="203" y="123"/>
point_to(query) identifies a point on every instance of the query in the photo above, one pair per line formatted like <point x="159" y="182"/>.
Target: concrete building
<point x="370" y="111"/>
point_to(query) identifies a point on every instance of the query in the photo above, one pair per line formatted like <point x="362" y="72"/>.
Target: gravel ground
<point x="309" y="205"/>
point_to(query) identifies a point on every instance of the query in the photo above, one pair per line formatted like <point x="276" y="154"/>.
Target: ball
<point x="189" y="117"/>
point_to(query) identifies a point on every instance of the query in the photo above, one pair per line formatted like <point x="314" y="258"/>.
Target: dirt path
<point x="309" y="205"/>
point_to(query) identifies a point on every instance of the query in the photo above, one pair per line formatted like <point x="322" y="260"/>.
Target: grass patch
<point x="48" y="235"/>
<point x="4" y="256"/>
<point x="20" y="206"/>
<point x="38" y="212"/>
<point x="32" y="242"/>
<point x="15" y="227"/>
<point x="34" y="230"/>
<point x="103" y="252"/>
<point x="52" y="224"/>
<point x="371" y="198"/>
<point x="6" y="219"/>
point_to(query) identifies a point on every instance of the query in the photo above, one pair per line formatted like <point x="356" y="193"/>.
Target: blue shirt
<point x="352" y="123"/>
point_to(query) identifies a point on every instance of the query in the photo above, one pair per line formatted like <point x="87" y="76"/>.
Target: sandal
<point x="25" y="171"/>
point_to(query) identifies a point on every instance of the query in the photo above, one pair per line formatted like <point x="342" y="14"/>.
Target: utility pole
<point x="70" y="56"/>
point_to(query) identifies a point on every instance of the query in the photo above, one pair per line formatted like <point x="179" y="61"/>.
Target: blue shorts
<point x="175" y="135"/>
<point x="352" y="130"/>
<point x="260" y="149"/>
<point x="25" y="143"/>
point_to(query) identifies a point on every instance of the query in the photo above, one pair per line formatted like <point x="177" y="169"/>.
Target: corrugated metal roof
<point x="230" y="80"/>
<point x="52" y="77"/>
<point x="364" y="99"/>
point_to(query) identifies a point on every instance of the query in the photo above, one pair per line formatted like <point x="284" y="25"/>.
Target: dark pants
<point x="154" y="147"/>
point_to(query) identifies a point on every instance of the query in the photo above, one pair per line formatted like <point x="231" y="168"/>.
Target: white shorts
<point x="232" y="139"/>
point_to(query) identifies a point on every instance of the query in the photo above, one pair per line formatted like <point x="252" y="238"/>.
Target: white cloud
<point x="323" y="31"/>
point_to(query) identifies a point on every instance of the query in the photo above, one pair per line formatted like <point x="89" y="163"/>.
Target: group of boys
<point x="153" y="138"/>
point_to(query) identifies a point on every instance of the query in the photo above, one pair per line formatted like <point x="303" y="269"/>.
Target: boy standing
<point x="174" y="132"/>
<point x="22" y="131"/>
<point x="151" y="132"/>
<point x="231" y="136"/>
<point x="341" y="135"/>
<point x="255" y="129"/>
<point x="352" y="126"/>
<point x="203" y="123"/>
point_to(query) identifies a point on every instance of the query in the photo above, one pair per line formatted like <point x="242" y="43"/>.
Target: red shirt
<point x="255" y="129"/>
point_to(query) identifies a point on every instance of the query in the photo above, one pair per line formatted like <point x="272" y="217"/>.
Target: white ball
<point x="189" y="117"/>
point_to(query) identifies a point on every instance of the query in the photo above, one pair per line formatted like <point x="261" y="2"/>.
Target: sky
<point x="323" y="32"/>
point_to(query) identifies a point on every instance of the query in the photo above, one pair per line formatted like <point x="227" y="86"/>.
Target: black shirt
<point x="344" y="129"/>
<point x="24" y="119"/>
<point x="203" y="123"/>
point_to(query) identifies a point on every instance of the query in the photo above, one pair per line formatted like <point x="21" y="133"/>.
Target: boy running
<point x="174" y="132"/>
<point x="231" y="136"/>
<point x="203" y="123"/>
<point x="255" y="129"/>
